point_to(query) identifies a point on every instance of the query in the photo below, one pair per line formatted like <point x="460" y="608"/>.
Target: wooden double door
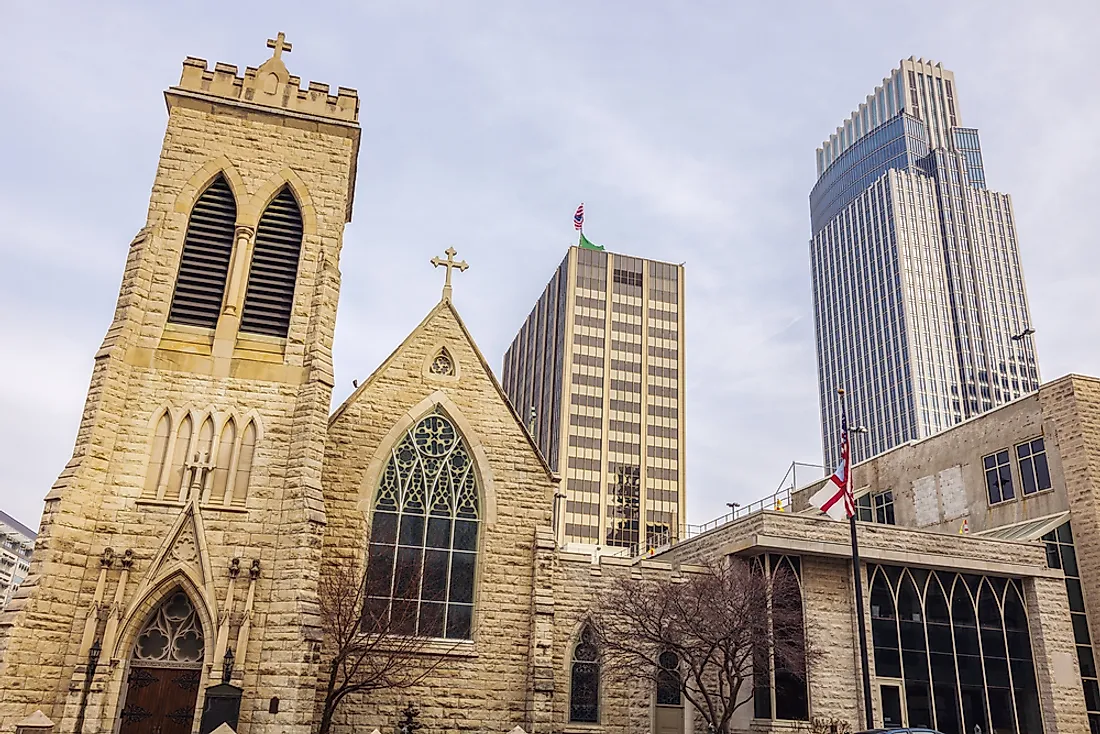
<point x="160" y="700"/>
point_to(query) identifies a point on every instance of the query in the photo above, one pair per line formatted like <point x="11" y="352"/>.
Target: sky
<point x="688" y="128"/>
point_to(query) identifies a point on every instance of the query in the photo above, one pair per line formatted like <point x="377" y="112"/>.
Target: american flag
<point x="578" y="218"/>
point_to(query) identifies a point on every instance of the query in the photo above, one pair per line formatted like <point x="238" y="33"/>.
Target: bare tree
<point x="716" y="622"/>
<point x="369" y="646"/>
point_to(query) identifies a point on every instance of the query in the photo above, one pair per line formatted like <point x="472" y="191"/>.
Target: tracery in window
<point x="959" y="644"/>
<point x="423" y="546"/>
<point x="172" y="636"/>
<point x="668" y="680"/>
<point x="584" y="682"/>
<point x="443" y="365"/>
<point x="781" y="693"/>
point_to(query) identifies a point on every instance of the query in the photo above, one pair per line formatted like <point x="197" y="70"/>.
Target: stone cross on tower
<point x="279" y="44"/>
<point x="450" y="264"/>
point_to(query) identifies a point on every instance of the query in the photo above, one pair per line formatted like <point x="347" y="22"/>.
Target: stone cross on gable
<point x="279" y="44"/>
<point x="450" y="263"/>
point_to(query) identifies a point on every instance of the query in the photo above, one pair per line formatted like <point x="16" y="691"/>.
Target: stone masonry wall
<point x="142" y="367"/>
<point x="479" y="685"/>
<point x="824" y="547"/>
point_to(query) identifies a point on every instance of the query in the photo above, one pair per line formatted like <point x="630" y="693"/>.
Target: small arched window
<point x="155" y="471"/>
<point x="668" y="680"/>
<point x="424" y="533"/>
<point x="274" y="271"/>
<point x="204" y="263"/>
<point x="584" y="683"/>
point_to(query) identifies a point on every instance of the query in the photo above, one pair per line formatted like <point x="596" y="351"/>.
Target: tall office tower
<point x="919" y="301"/>
<point x="597" y="372"/>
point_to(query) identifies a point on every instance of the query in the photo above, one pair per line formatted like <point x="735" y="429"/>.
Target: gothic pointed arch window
<point x="204" y="263"/>
<point x="274" y="271"/>
<point x="424" y="536"/>
<point x="172" y="636"/>
<point x="584" y="679"/>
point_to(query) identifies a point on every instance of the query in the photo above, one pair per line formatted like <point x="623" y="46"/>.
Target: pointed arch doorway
<point x="165" y="670"/>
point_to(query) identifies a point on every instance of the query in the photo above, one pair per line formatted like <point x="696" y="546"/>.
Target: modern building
<point x="919" y="301"/>
<point x="597" y="372"/>
<point x="16" y="546"/>
<point x="1025" y="472"/>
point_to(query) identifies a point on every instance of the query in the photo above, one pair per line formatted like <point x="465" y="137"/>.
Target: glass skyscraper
<point x="597" y="372"/>
<point x="917" y="285"/>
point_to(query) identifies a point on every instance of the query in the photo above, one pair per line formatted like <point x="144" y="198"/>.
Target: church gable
<point x="428" y="460"/>
<point x="437" y="368"/>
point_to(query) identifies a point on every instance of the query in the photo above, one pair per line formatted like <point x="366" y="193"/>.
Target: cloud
<point x="688" y="130"/>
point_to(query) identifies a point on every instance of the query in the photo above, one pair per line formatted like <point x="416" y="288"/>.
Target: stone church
<point x="211" y="490"/>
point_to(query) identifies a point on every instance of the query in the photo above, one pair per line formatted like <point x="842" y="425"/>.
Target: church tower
<point x="186" y="531"/>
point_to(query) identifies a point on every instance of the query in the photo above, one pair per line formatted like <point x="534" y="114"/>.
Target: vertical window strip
<point x="204" y="262"/>
<point x="273" y="274"/>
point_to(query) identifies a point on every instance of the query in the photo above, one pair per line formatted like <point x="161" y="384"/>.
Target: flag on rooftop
<point x="835" y="498"/>
<point x="588" y="245"/>
<point x="578" y="218"/>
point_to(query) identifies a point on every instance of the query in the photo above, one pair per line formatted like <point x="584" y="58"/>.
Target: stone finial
<point x="254" y="572"/>
<point x="450" y="263"/>
<point x="128" y="558"/>
<point x="36" y="723"/>
<point x="234" y="568"/>
<point x="107" y="558"/>
<point x="376" y="731"/>
<point x="224" y="728"/>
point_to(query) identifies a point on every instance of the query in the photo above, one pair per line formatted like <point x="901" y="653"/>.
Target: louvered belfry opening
<point x="204" y="265"/>
<point x="274" y="271"/>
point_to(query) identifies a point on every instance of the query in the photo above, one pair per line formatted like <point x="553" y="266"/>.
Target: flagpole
<point x="856" y="570"/>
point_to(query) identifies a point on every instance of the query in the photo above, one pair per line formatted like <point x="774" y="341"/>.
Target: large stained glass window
<point x="954" y="650"/>
<point x="423" y="545"/>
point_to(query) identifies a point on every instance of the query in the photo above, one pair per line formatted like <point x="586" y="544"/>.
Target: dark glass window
<point x="668" y="680"/>
<point x="584" y="688"/>
<point x="1061" y="554"/>
<point x="204" y="263"/>
<point x="422" y="559"/>
<point x="884" y="507"/>
<point x="779" y="693"/>
<point x="956" y="642"/>
<point x="998" y="477"/>
<point x="1034" y="472"/>
<point x="864" y="511"/>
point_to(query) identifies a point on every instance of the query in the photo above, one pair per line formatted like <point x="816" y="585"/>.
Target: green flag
<point x="588" y="245"/>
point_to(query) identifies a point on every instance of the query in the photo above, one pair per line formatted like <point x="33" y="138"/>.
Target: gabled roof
<point x="446" y="304"/>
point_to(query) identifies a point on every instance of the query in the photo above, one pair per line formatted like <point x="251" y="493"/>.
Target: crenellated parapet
<point x="271" y="85"/>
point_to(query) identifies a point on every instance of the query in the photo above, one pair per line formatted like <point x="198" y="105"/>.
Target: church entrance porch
<point x="162" y="688"/>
